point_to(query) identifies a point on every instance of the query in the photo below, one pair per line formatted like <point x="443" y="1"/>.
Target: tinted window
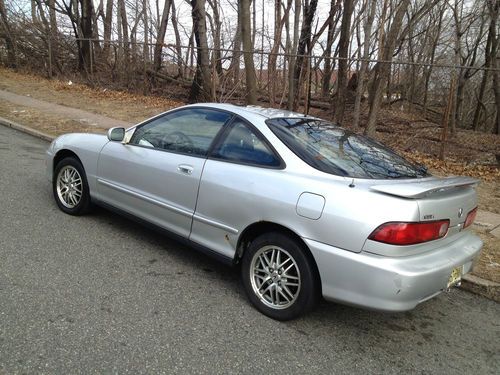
<point x="242" y="145"/>
<point x="334" y="150"/>
<point x="189" y="131"/>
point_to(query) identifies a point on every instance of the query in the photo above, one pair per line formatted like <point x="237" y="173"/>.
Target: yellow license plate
<point x="455" y="277"/>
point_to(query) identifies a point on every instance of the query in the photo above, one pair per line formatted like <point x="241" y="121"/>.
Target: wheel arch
<point x="261" y="227"/>
<point x="64" y="153"/>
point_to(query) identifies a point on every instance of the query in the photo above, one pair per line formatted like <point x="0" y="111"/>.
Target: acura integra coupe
<point x="304" y="208"/>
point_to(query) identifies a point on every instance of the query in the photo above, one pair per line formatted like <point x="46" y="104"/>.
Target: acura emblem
<point x="460" y="212"/>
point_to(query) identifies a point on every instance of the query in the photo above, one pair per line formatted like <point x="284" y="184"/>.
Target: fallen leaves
<point x="115" y="95"/>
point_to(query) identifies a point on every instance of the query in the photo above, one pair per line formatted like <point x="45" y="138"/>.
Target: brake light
<point x="471" y="216"/>
<point x="410" y="233"/>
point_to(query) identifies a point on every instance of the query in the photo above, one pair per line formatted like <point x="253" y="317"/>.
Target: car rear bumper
<point x="390" y="283"/>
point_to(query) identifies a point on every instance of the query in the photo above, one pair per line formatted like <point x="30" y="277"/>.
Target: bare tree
<point x="279" y="22"/>
<point x="494" y="8"/>
<point x="335" y="7"/>
<point x="160" y="40"/>
<point x="292" y="48"/>
<point x="303" y="47"/>
<point x="178" y="42"/>
<point x="216" y="35"/>
<point x="436" y="27"/>
<point x="246" y="37"/>
<point x="382" y="69"/>
<point x="343" y="63"/>
<point x="367" y="29"/>
<point x="201" y="89"/>
<point x="6" y="34"/>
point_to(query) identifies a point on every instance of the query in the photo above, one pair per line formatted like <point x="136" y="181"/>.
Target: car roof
<point x="253" y="109"/>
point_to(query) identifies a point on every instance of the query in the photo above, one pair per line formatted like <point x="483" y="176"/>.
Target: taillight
<point x="410" y="233"/>
<point x="471" y="216"/>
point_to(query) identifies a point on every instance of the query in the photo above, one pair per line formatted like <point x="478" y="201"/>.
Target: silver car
<point x="305" y="208"/>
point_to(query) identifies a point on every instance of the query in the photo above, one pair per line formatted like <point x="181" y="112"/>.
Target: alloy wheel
<point x="275" y="277"/>
<point x="69" y="186"/>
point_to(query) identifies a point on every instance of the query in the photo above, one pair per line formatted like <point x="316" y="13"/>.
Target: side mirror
<point x="116" y="134"/>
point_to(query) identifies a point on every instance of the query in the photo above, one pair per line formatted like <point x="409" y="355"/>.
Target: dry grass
<point x="120" y="105"/>
<point x="46" y="123"/>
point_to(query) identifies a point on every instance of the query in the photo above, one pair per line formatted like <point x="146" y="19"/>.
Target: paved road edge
<point x="26" y="129"/>
<point x="471" y="283"/>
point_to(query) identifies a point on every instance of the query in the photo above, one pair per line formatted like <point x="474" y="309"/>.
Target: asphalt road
<point x="101" y="294"/>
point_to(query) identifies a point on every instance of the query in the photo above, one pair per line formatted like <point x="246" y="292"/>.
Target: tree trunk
<point x="125" y="36"/>
<point x="145" y="46"/>
<point x="360" y="89"/>
<point x="494" y="8"/>
<point x="178" y="40"/>
<point x="107" y="21"/>
<point x="234" y="67"/>
<point x="53" y="39"/>
<point x="86" y="27"/>
<point x="382" y="70"/>
<point x="216" y="36"/>
<point x="246" y="37"/>
<point x="292" y="60"/>
<point x="330" y="38"/>
<point x="201" y="89"/>
<point x="303" y="46"/>
<point x="433" y="47"/>
<point x="9" y="41"/>
<point x="160" y="40"/>
<point x="490" y="60"/>
<point x="496" y="92"/>
<point x="342" y="77"/>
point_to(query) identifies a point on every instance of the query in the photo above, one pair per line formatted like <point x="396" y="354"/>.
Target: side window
<point x="242" y="145"/>
<point x="188" y="131"/>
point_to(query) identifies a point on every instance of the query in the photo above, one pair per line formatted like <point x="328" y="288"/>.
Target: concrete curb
<point x="471" y="283"/>
<point x="26" y="129"/>
<point x="483" y="287"/>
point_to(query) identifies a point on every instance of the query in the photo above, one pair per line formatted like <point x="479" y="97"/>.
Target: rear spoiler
<point x="421" y="188"/>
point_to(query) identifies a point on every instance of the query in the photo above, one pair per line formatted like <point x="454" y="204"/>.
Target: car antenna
<point x="351" y="185"/>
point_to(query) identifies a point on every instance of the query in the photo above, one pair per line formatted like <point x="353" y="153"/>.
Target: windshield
<point x="337" y="151"/>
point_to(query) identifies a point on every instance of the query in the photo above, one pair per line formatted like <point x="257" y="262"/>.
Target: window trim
<point x="224" y="134"/>
<point x="210" y="147"/>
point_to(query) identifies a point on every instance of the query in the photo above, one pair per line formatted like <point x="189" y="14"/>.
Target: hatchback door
<point x="155" y="176"/>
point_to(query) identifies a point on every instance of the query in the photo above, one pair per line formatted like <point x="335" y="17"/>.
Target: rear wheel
<point x="70" y="187"/>
<point x="279" y="277"/>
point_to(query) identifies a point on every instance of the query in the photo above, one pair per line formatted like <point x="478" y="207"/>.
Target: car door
<point x="155" y="175"/>
<point x="230" y="195"/>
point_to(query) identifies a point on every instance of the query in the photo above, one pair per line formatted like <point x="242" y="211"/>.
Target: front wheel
<point x="279" y="277"/>
<point x="70" y="187"/>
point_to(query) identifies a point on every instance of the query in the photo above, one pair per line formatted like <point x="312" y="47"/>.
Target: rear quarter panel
<point x="232" y="197"/>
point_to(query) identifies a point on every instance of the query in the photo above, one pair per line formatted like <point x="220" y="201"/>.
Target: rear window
<point x="337" y="151"/>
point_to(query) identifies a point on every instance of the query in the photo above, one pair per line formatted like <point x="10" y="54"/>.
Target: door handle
<point x="184" y="168"/>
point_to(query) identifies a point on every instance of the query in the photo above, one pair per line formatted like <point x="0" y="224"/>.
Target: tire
<point x="70" y="187"/>
<point x="285" y="295"/>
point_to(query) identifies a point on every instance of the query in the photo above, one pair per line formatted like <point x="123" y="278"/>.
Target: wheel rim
<point x="69" y="186"/>
<point x="275" y="277"/>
